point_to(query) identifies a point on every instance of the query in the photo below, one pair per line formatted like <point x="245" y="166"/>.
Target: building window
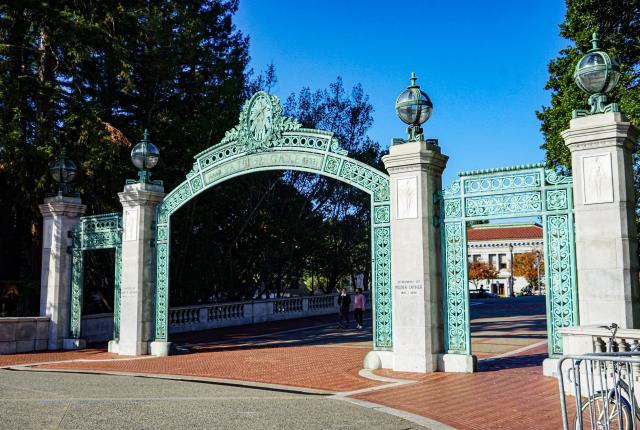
<point x="477" y="257"/>
<point x="502" y="261"/>
<point x="492" y="260"/>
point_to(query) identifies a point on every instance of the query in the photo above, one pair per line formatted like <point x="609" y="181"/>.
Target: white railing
<point x="214" y="315"/>
<point x="202" y="317"/>
<point x="292" y="305"/>
<point x="322" y="302"/>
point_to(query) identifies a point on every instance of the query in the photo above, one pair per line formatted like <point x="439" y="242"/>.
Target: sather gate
<point x="264" y="140"/>
<point x="524" y="191"/>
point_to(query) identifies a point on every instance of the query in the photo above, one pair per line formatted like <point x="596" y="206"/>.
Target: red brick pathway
<point x="323" y="368"/>
<point x="501" y="396"/>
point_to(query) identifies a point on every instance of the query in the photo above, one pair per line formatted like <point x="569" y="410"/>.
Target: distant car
<point x="481" y="294"/>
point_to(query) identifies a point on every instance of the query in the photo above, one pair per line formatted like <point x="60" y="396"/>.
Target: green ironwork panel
<point x="505" y="182"/>
<point x="93" y="233"/>
<point x="383" y="333"/>
<point x="266" y="140"/>
<point x="529" y="190"/>
<point x="518" y="204"/>
<point x="77" y="280"/>
<point x="117" y="293"/>
<point x="560" y="278"/>
<point x="99" y="231"/>
<point x="456" y="288"/>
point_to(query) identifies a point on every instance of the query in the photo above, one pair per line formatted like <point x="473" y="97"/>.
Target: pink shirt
<point x="358" y="301"/>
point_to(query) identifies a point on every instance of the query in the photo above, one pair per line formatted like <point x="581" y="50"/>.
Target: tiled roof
<point x="507" y="232"/>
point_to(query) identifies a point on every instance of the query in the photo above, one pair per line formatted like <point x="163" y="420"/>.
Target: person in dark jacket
<point x="344" y="301"/>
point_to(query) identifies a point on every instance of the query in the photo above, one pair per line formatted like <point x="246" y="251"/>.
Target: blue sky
<point x="484" y="65"/>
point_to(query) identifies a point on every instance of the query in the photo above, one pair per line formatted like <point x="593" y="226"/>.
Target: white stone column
<point x="415" y="170"/>
<point x="601" y="148"/>
<point x="60" y="215"/>
<point x="138" y="201"/>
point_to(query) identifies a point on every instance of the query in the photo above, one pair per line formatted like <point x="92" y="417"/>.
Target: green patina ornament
<point x="510" y="192"/>
<point x="264" y="140"/>
<point x="596" y="74"/>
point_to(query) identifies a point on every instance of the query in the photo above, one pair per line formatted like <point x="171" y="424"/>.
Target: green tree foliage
<point x="91" y="75"/>
<point x="618" y="25"/>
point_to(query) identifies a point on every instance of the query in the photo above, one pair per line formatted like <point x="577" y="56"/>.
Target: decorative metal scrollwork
<point x="94" y="232"/>
<point x="266" y="140"/>
<point x="529" y="190"/>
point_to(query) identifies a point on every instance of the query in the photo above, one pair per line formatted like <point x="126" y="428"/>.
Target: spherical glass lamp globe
<point x="596" y="72"/>
<point x="63" y="170"/>
<point x="413" y="105"/>
<point x="145" y="155"/>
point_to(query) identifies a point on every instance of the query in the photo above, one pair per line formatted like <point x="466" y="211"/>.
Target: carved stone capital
<point x="71" y="207"/>
<point x="141" y="194"/>
<point x="415" y="156"/>
<point x="601" y="131"/>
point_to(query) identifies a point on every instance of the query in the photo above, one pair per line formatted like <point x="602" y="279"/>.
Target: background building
<point x="498" y="244"/>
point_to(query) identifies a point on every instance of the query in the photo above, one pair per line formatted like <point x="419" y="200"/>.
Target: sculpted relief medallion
<point x="260" y="118"/>
<point x="597" y="179"/>
<point x="407" y="198"/>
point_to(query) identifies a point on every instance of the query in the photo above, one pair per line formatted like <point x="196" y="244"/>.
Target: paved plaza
<point x="307" y="372"/>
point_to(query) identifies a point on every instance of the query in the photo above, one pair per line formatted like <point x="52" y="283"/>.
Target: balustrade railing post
<point x="203" y="314"/>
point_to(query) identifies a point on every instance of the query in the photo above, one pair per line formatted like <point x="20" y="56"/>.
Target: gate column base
<point x="161" y="349"/>
<point x="60" y="216"/>
<point x="457" y="363"/>
<point x="550" y="367"/>
<point x="602" y="148"/>
<point x="113" y="346"/>
<point x="415" y="171"/>
<point x="138" y="201"/>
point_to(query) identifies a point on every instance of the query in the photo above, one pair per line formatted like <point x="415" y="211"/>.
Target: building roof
<point x="494" y="232"/>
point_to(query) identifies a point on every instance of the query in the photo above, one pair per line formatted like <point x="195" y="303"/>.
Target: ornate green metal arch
<point x="263" y="140"/>
<point x="522" y="191"/>
<point x="94" y="232"/>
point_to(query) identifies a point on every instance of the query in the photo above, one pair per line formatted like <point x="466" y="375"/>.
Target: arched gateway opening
<point x="265" y="140"/>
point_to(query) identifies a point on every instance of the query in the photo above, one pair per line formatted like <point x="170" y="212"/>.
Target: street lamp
<point x="538" y="267"/>
<point x="414" y="107"/>
<point x="511" y="271"/>
<point x="63" y="171"/>
<point x="145" y="155"/>
<point x="596" y="74"/>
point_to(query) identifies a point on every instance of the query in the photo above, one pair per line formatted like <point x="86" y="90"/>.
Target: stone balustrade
<point x="592" y="338"/>
<point x="30" y="333"/>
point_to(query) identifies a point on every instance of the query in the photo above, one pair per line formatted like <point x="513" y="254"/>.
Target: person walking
<point x="358" y="307"/>
<point x="344" y="301"/>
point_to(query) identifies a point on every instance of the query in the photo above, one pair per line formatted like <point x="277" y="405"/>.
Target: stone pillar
<point x="139" y="202"/>
<point x="60" y="215"/>
<point x="415" y="170"/>
<point x="601" y="148"/>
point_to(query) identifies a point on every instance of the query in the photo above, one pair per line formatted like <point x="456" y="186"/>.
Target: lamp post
<point x="63" y="171"/>
<point x="414" y="107"/>
<point x="538" y="267"/>
<point x="145" y="155"/>
<point x="596" y="74"/>
<point x="511" y="271"/>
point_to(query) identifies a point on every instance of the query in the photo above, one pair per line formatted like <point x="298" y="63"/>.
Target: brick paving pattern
<point x="508" y="393"/>
<point x="323" y="368"/>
